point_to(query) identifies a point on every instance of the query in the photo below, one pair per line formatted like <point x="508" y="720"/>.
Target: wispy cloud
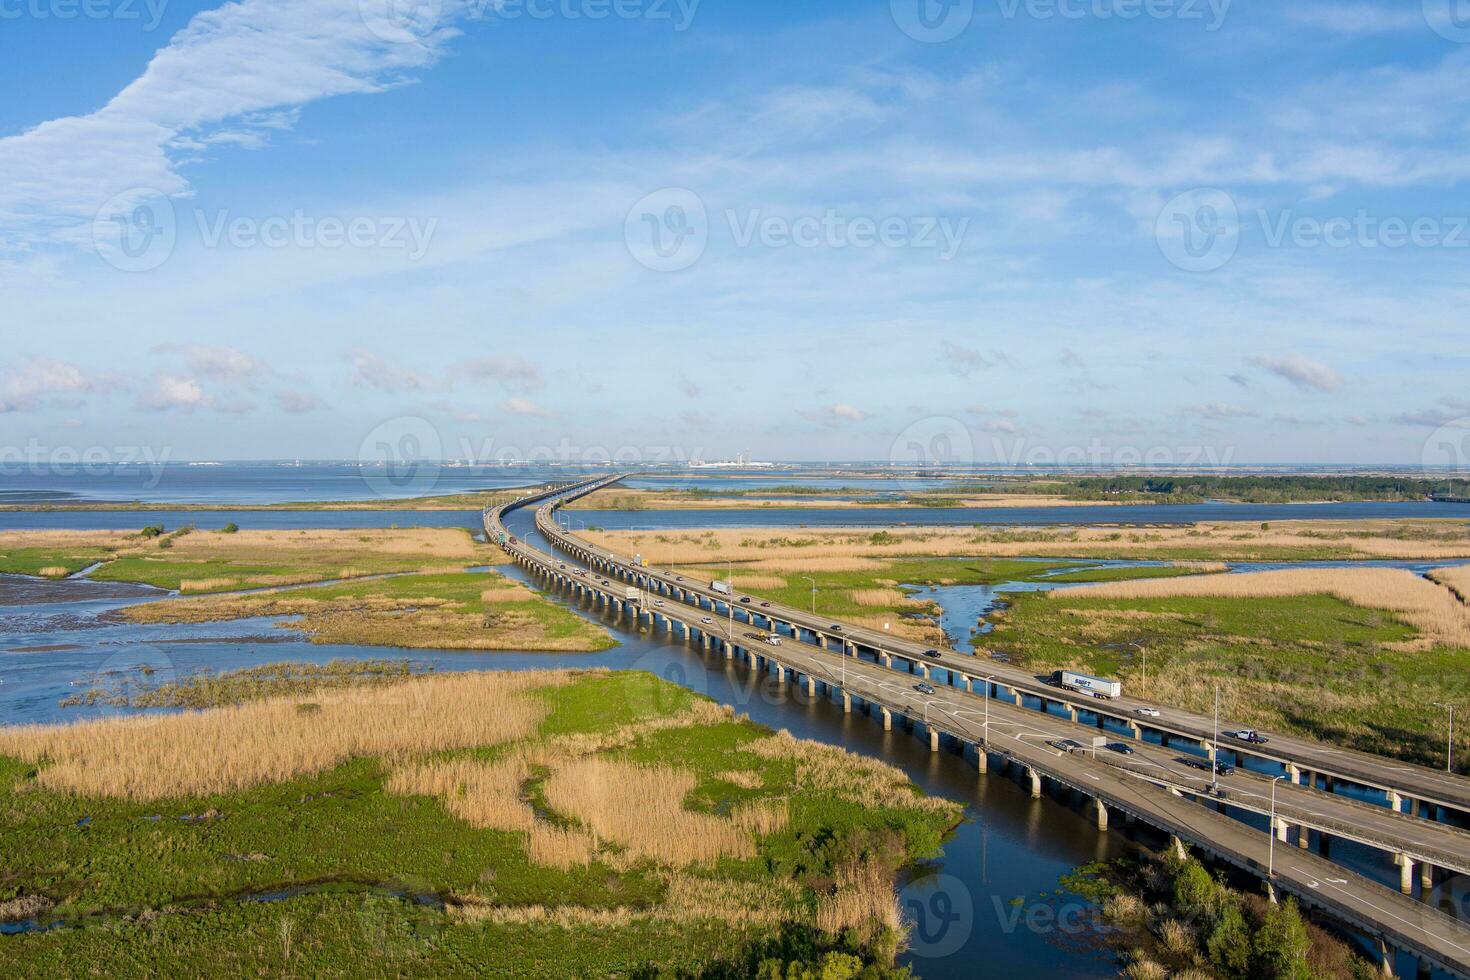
<point x="525" y="407"/>
<point x="1306" y="375"/>
<point x="27" y="386"/>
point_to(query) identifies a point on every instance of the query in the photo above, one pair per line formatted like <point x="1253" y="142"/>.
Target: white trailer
<point x="1098" y="687"/>
<point x="633" y="595"/>
<point x="723" y="588"/>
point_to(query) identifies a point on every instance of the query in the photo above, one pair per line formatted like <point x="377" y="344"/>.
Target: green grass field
<point x="1312" y="665"/>
<point x="448" y="611"/>
<point x="329" y="875"/>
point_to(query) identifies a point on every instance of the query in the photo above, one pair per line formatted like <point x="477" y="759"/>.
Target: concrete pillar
<point x="1426" y="875"/>
<point x="1280" y="829"/>
<point x="924" y="669"/>
<point x="887" y="660"/>
<point x="1303" y="837"/>
<point x="1071" y="711"/>
<point x="1102" y="813"/>
<point x="1385" y="957"/>
<point x="982" y="759"/>
<point x="1406" y="873"/>
<point x="969" y="684"/>
<point x="933" y="740"/>
<point x="811" y="686"/>
<point x="1395" y="801"/>
<point x="846" y="703"/>
<point x="1179" y="851"/>
<point x="887" y="719"/>
<point x="729" y="652"/>
<point x="780" y="674"/>
<point x="1035" y="778"/>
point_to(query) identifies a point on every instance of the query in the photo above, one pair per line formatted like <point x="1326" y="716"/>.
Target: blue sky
<point x="1176" y="230"/>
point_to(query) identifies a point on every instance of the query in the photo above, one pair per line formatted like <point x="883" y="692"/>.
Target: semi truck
<point x="1098" y="687"/>
<point x="633" y="595"/>
<point x="723" y="588"/>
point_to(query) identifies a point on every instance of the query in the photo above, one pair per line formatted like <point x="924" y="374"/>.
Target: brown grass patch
<point x="220" y="750"/>
<point x="826" y="768"/>
<point x="743" y="778"/>
<point x="55" y="571"/>
<point x="882" y="598"/>
<point x="206" y="584"/>
<point x="642" y="809"/>
<point x="560" y="847"/>
<point x="1428" y="607"/>
<point x="864" y="900"/>
<point x="483" y="794"/>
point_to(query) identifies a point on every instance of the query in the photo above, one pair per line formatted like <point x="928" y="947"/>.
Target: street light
<point x="1449" y="751"/>
<point x="987" y="680"/>
<point x="814" y="593"/>
<point x="1271" y="829"/>
<point x="1215" y="746"/>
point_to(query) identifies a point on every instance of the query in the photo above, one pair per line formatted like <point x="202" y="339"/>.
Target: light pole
<point x="730" y="599"/>
<point x="988" y="678"/>
<point x="1271" y="829"/>
<point x="1215" y="746"/>
<point x="814" y="593"/>
<point x="1449" y="750"/>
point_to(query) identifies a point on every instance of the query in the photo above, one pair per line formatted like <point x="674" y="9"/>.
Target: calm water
<point x="290" y="520"/>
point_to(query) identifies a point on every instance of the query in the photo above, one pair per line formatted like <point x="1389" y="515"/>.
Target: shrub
<point x="1282" y="944"/>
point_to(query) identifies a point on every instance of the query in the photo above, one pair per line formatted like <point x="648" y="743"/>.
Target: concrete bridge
<point x="981" y="710"/>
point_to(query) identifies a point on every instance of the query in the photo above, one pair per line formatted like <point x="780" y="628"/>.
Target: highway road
<point x="1143" y="783"/>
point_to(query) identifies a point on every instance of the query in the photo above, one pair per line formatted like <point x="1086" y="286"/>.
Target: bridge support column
<point x="1303" y="837"/>
<point x="1101" y="809"/>
<point x="969" y="684"/>
<point x="1178" y="846"/>
<point x="811" y="686"/>
<point x="1071" y="712"/>
<point x="1035" y="778"/>
<point x="1385" y="958"/>
<point x="887" y="719"/>
<point x="780" y="674"/>
<point x="887" y="659"/>
<point x="846" y="703"/>
<point x="1406" y="873"/>
<point x="982" y="759"/>
<point x="1279" y="829"/>
<point x="729" y="651"/>
<point x="1426" y="875"/>
<point x="924" y="669"/>
<point x="1395" y="802"/>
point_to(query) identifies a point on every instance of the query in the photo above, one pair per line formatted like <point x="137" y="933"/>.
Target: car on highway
<point x="678" y="578"/>
<point x="706" y="620"/>
<point x="924" y="688"/>
<point x="1122" y="748"/>
<point x="934" y="654"/>
<point x="835" y="627"/>
<point x="1065" y="744"/>
<point x="658" y="602"/>
<point x="1147" y="712"/>
<point x="1249" y="735"/>
<point x="765" y="605"/>
<point x="774" y="641"/>
<point x="745" y="599"/>
<point x="1220" y="768"/>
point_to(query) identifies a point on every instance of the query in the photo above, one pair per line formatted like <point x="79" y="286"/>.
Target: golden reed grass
<point x="642" y="809"/>
<point x="1428" y="607"/>
<point x="55" y="571"/>
<point x="882" y="598"/>
<point x="773" y="548"/>
<point x="825" y="768"/>
<point x="864" y="900"/>
<point x="206" y="584"/>
<point x="482" y="794"/>
<point x="226" y="749"/>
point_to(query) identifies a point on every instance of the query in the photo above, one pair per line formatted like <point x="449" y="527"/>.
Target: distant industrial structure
<point x="741" y="462"/>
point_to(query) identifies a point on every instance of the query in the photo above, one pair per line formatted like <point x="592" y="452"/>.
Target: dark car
<point x="934" y="654"/>
<point x="1122" y="748"/>
<point x="924" y="688"/>
<point x="835" y="628"/>
<point x="765" y="605"/>
<point x="1066" y="744"/>
<point x="745" y="598"/>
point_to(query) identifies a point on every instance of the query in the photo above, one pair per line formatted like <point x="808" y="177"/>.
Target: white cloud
<point x="387" y="376"/>
<point x="965" y="361"/>
<point x="24" y="388"/>
<point x="1305" y="374"/>
<point x="1219" y="411"/>
<point x="228" y="364"/>
<point x="523" y="406"/>
<point x="836" y="413"/>
<point x="237" y="66"/>
<point x="1001" y="426"/>
<point x="296" y="402"/>
<point x="511" y="371"/>
<point x="169" y="391"/>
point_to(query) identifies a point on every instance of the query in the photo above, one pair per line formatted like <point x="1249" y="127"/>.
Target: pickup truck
<point x="1249" y="735"/>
